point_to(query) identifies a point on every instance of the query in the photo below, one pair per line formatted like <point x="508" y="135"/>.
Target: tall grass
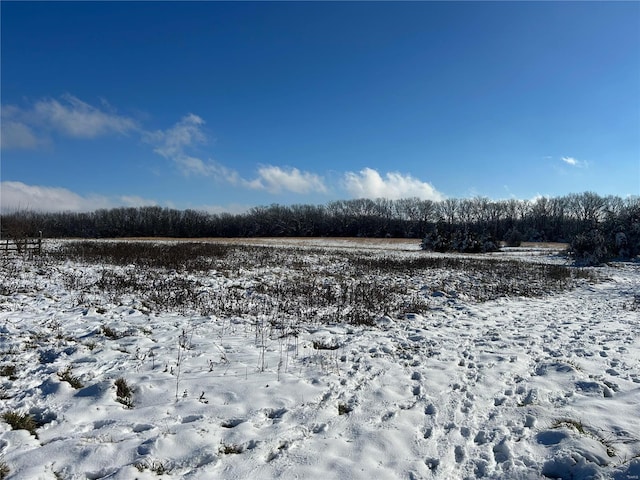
<point x="318" y="285"/>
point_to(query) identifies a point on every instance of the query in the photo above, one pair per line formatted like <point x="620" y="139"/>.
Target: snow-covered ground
<point x="510" y="388"/>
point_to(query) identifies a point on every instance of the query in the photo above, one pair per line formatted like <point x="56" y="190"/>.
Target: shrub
<point x="21" y="421"/>
<point x="230" y="449"/>
<point x="513" y="238"/>
<point x="156" y="466"/>
<point x="439" y="240"/>
<point x="459" y="239"/>
<point x="634" y="304"/>
<point x="590" y="248"/>
<point x="8" y="371"/>
<point x="110" y="332"/>
<point x="626" y="244"/>
<point x="183" y="256"/>
<point x="466" y="241"/>
<point x="123" y="392"/>
<point x="67" y="376"/>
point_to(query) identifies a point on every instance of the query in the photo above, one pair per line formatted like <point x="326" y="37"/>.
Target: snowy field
<point x="327" y="359"/>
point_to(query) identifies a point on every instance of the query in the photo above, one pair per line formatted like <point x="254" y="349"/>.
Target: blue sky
<point x="223" y="106"/>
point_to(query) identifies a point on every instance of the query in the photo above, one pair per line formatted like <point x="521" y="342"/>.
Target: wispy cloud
<point x="75" y="118"/>
<point x="68" y="116"/>
<point x="574" y="162"/>
<point x="225" y="174"/>
<point x="368" y="183"/>
<point x="135" y="201"/>
<point x="174" y="142"/>
<point x="16" y="135"/>
<point x="233" y="208"/>
<point x="186" y="133"/>
<point x="177" y="142"/>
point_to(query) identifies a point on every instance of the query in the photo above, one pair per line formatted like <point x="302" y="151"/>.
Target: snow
<point x="513" y="388"/>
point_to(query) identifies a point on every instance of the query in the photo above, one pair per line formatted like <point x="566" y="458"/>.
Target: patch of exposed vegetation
<point x="66" y="375"/>
<point x="183" y="256"/>
<point x="9" y="371"/>
<point x="582" y="429"/>
<point x="230" y="449"/>
<point x="4" y="470"/>
<point x="156" y="466"/>
<point x="322" y="285"/>
<point x="21" y="421"/>
<point x="124" y="393"/>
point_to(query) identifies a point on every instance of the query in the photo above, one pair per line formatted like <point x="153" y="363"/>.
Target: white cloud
<point x="76" y="118"/>
<point x="192" y="165"/>
<point x="275" y="180"/>
<point x="69" y="116"/>
<point x="136" y="201"/>
<point x="187" y="133"/>
<point x="174" y="143"/>
<point x="369" y="184"/>
<point x="226" y="174"/>
<point x="272" y="179"/>
<point x="574" y="162"/>
<point x="15" y="135"/>
<point x="20" y="196"/>
<point x="233" y="208"/>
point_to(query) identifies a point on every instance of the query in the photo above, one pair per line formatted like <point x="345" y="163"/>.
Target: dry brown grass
<point x="321" y="241"/>
<point x="549" y="245"/>
<point x="343" y="242"/>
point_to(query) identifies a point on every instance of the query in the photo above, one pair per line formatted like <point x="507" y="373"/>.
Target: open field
<point x="316" y="358"/>
<point x="342" y="242"/>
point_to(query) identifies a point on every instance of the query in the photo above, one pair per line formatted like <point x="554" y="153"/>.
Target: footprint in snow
<point x="480" y="468"/>
<point x="146" y="447"/>
<point x="481" y="438"/>
<point x="319" y="428"/>
<point x="103" y="423"/>
<point x="459" y="453"/>
<point x="275" y="414"/>
<point x="192" y="418"/>
<point x="388" y="416"/>
<point x="432" y="463"/>
<point x="449" y="427"/>
<point x="142" y="427"/>
<point x="232" y="422"/>
<point x="501" y="451"/>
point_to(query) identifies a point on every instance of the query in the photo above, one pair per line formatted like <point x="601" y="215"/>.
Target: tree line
<point x="477" y="220"/>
